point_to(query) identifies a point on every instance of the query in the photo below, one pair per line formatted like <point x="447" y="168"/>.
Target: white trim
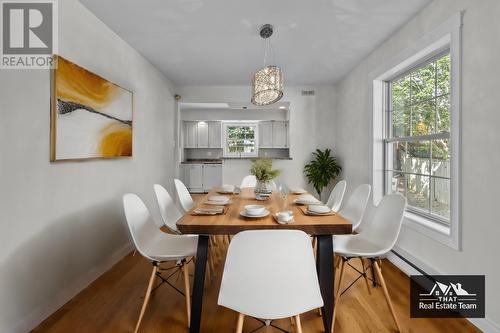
<point x="484" y="324"/>
<point x="254" y="124"/>
<point x="64" y="295"/>
<point x="447" y="35"/>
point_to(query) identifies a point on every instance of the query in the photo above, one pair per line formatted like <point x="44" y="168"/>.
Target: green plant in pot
<point x="322" y="170"/>
<point x="262" y="169"/>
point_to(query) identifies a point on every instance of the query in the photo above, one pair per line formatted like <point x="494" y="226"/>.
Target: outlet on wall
<point x="209" y="153"/>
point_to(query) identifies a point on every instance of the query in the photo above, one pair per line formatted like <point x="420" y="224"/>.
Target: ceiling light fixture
<point x="267" y="87"/>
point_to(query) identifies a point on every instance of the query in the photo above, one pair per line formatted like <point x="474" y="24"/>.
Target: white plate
<point x="298" y="191"/>
<point x="243" y="213"/>
<point x="319" y="209"/>
<point x="217" y="203"/>
<point x="224" y="192"/>
<point x="307" y="202"/>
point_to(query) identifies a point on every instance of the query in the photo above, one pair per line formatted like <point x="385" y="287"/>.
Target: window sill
<point x="431" y="229"/>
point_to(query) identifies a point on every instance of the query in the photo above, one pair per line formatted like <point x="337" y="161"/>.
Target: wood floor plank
<point x="112" y="304"/>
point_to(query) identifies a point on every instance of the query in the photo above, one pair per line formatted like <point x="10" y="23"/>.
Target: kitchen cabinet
<point x="280" y="134"/>
<point x="193" y="177"/>
<point x="273" y="134"/>
<point x="202" y="135"/>
<point x="214" y="134"/>
<point x="190" y="134"/>
<point x="212" y="176"/>
<point x="200" y="178"/>
<point x="266" y="134"/>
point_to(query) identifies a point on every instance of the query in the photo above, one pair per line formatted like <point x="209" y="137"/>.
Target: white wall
<point x="305" y="134"/>
<point x="480" y="179"/>
<point x="61" y="224"/>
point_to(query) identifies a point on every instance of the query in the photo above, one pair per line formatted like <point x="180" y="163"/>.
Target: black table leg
<point x="326" y="275"/>
<point x="199" y="282"/>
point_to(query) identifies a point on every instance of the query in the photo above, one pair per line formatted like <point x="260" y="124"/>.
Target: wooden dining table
<point x="231" y="222"/>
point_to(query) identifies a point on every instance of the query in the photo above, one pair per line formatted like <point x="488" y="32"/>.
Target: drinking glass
<point x="283" y="191"/>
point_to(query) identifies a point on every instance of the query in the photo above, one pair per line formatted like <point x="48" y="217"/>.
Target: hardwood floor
<point x="112" y="304"/>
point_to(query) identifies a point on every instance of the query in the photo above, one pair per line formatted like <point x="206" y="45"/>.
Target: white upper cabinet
<point x="273" y="134"/>
<point x="190" y="134"/>
<point x="202" y="134"/>
<point x="280" y="134"/>
<point x="266" y="134"/>
<point x="214" y="134"/>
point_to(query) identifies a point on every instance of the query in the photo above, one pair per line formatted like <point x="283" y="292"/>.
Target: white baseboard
<point x="484" y="324"/>
<point x="38" y="315"/>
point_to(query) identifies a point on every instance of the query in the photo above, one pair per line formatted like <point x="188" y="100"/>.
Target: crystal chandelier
<point x="267" y="87"/>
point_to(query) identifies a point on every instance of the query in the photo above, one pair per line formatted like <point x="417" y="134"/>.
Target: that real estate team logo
<point x="447" y="296"/>
<point x="29" y="34"/>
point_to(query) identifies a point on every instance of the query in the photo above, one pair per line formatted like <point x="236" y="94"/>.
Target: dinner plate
<point x="217" y="203"/>
<point x="244" y="213"/>
<point x="319" y="209"/>
<point x="298" y="191"/>
<point x="224" y="192"/>
<point x="307" y="202"/>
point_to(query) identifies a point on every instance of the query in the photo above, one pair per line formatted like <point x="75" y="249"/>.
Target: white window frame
<point x="445" y="36"/>
<point x="226" y="153"/>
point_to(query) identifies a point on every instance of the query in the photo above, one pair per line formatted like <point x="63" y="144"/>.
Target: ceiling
<point x="216" y="42"/>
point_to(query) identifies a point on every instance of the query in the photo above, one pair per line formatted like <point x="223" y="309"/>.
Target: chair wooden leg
<point x="187" y="291"/>
<point x="386" y="294"/>
<point x="298" y="326"/>
<point x="315" y="246"/>
<point x="337" y="295"/>
<point x="146" y="298"/>
<point x="239" y="325"/>
<point x="365" y="276"/>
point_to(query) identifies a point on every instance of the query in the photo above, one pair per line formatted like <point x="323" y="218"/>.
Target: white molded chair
<point x="248" y="181"/>
<point x="168" y="210"/>
<point x="373" y="242"/>
<point x="157" y="247"/>
<point x="185" y="198"/>
<point x="336" y="196"/>
<point x="270" y="274"/>
<point x="355" y="207"/>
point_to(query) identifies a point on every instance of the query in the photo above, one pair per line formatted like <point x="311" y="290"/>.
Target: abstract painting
<point x="91" y="117"/>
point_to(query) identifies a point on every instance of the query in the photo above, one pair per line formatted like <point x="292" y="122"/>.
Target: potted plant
<point x="262" y="169"/>
<point x="322" y="170"/>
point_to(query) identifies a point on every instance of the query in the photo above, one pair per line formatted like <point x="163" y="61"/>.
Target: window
<point x="417" y="141"/>
<point x="416" y="131"/>
<point x="240" y="139"/>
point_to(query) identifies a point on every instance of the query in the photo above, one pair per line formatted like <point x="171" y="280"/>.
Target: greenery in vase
<point x="322" y="169"/>
<point x="262" y="169"/>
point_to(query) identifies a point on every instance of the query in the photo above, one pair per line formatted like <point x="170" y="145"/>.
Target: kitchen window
<point x="241" y="139"/>
<point x="418" y="143"/>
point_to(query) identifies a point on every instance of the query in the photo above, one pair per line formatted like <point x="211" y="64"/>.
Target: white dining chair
<point x="169" y="212"/>
<point x="336" y="196"/>
<point x="270" y="274"/>
<point x="372" y="243"/>
<point x="157" y="247"/>
<point x="354" y="208"/>
<point x="248" y="181"/>
<point x="183" y="195"/>
<point x="187" y="203"/>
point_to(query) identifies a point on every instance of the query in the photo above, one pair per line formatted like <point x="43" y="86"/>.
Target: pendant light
<point x="267" y="87"/>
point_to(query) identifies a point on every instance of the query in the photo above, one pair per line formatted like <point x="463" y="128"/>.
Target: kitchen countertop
<point x="203" y="161"/>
